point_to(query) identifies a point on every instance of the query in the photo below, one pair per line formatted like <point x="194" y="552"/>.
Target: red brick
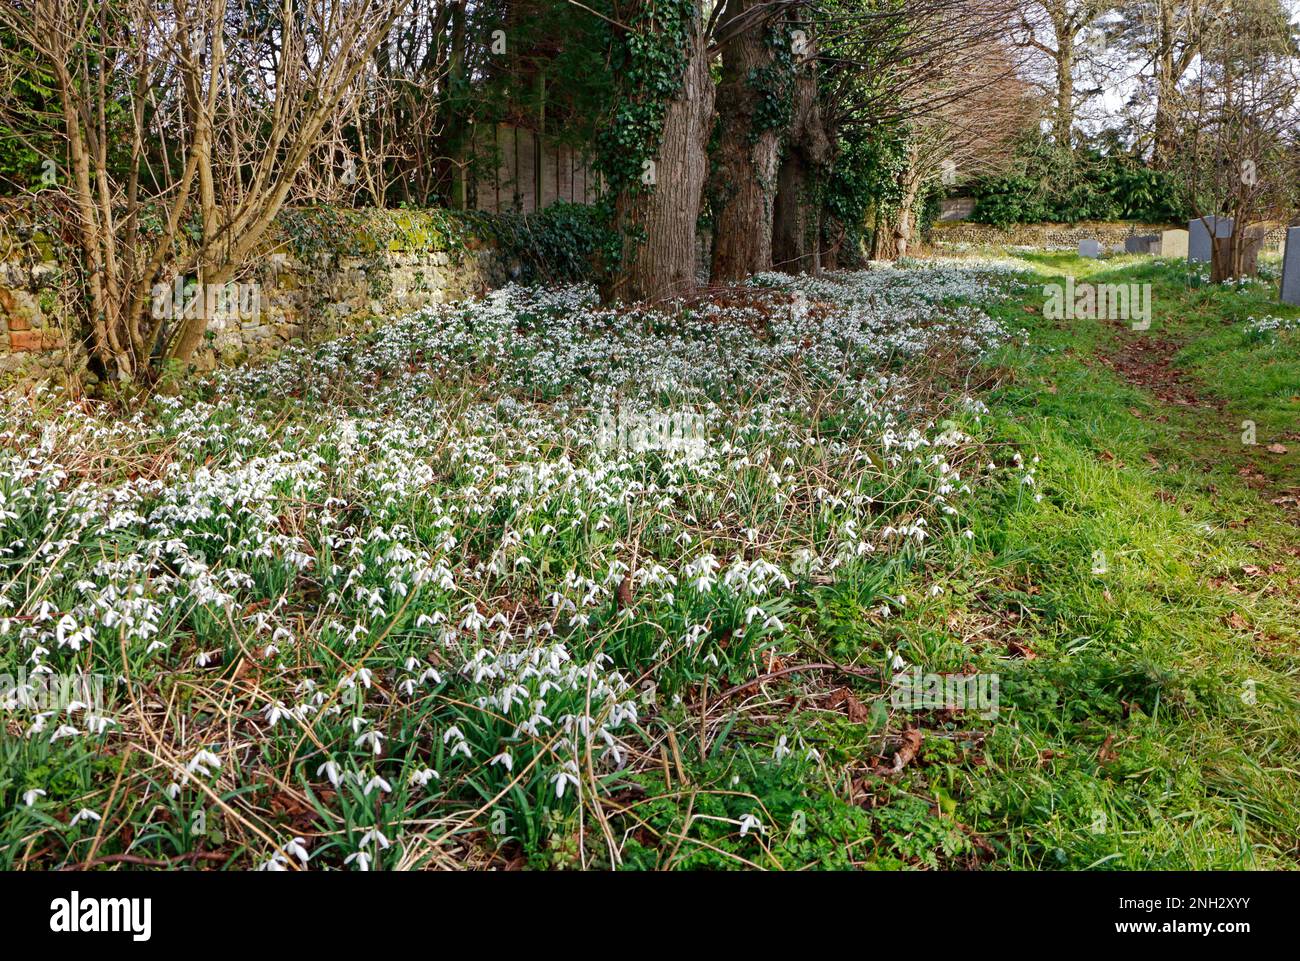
<point x="16" y="320"/>
<point x="21" y="340"/>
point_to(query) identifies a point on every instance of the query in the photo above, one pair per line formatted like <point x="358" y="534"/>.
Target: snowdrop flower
<point x="362" y="859"/>
<point x="505" y="760"/>
<point x="422" y="777"/>
<point x="567" y="775"/>
<point x="377" y="782"/>
<point x="331" y="770"/>
<point x="298" y="848"/>
<point x="85" y="814"/>
<point x="62" y="731"/>
<point x="198" y="764"/>
<point x="749" y="823"/>
<point x="30" y="796"/>
<point x="372" y="836"/>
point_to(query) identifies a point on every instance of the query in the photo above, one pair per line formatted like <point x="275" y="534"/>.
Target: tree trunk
<point x="1164" y="135"/>
<point x="832" y="242"/>
<point x="663" y="266"/>
<point x="796" y="217"/>
<point x="1063" y="125"/>
<point x="894" y="230"/>
<point x="745" y="189"/>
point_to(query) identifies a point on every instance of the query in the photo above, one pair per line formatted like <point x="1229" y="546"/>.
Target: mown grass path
<point x="1156" y="585"/>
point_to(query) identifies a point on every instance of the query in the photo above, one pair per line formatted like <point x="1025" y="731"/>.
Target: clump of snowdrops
<point x="397" y="598"/>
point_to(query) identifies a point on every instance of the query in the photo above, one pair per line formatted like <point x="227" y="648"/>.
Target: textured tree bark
<point x="744" y="192"/>
<point x="796" y="221"/>
<point x="831" y="243"/>
<point x="1063" y="125"/>
<point x="663" y="266"/>
<point x="894" y="231"/>
<point x="1165" y="136"/>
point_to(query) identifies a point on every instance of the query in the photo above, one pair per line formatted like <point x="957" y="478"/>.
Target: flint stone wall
<point x="304" y="299"/>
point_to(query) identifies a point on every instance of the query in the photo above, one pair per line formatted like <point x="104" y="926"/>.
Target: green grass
<point x="1136" y="602"/>
<point x="1157" y="728"/>
<point x="1154" y="724"/>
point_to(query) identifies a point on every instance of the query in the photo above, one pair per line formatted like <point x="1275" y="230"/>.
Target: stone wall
<point x="1047" y="236"/>
<point x="362" y="268"/>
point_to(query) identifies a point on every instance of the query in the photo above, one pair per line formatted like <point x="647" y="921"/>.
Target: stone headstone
<point x="1090" y="248"/>
<point x="1291" y="267"/>
<point x="1253" y="240"/>
<point x="1173" y="243"/>
<point x="1140" y="243"/>
<point x="1198" y="236"/>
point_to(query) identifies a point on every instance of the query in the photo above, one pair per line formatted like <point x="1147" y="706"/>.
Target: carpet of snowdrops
<point x="416" y="596"/>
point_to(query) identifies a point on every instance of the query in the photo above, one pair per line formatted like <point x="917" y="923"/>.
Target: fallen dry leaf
<point x="1021" y="649"/>
<point x="1106" y="755"/>
<point x="907" y="750"/>
<point x="1276" y="449"/>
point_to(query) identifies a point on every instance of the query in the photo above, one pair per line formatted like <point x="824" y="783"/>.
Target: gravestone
<point x="1291" y="267"/>
<point x="1255" y="236"/>
<point x="1140" y="243"/>
<point x="1198" y="237"/>
<point x="1173" y="243"/>
<point x="1090" y="249"/>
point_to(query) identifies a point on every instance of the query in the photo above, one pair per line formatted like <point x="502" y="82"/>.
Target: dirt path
<point x="1146" y="361"/>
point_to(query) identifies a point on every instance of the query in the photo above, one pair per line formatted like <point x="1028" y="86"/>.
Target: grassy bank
<point x="533" y="583"/>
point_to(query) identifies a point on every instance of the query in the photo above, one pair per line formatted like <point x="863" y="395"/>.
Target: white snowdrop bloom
<point x="377" y="782"/>
<point x="201" y="761"/>
<point x="782" y="749"/>
<point x="374" y="739"/>
<point x="374" y="836"/>
<point x="31" y="795"/>
<point x="297" y="847"/>
<point x="85" y="814"/>
<point x="750" y="823"/>
<point x="505" y="760"/>
<point x="422" y="777"/>
<point x="568" y="774"/>
<point x="361" y="858"/>
<point x="332" y="771"/>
